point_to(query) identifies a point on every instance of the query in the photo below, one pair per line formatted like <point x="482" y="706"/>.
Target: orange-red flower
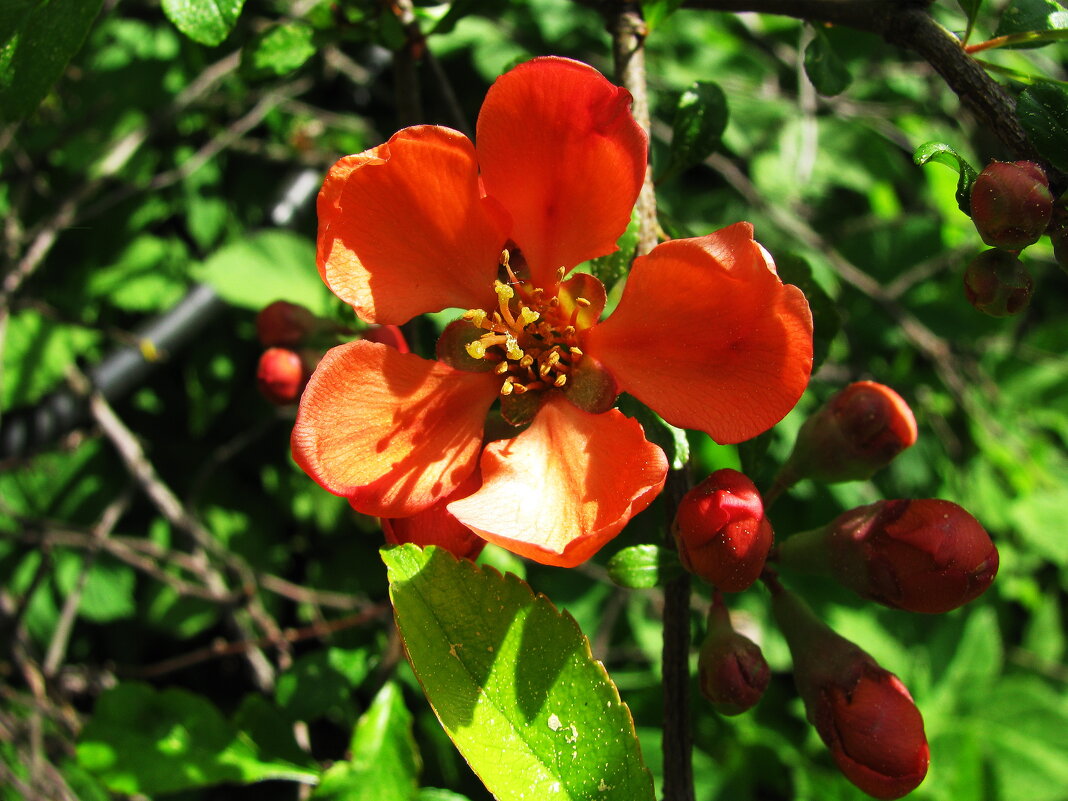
<point x="705" y="332"/>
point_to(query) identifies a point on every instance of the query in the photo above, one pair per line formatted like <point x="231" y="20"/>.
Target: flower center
<point x="529" y="338"/>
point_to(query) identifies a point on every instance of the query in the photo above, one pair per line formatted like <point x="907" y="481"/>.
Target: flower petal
<point x="560" y="150"/>
<point x="403" y="228"/>
<point x="708" y="336"/>
<point x="565" y="486"/>
<point x="392" y="432"/>
<point x="435" y="525"/>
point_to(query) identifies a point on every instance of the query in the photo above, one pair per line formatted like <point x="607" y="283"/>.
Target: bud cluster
<point x="1011" y="206"/>
<point x="926" y="556"/>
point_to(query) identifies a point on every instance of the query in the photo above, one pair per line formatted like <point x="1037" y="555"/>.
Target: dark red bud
<point x="282" y="374"/>
<point x="436" y="526"/>
<point x="732" y="672"/>
<point x="998" y="284"/>
<point x="923" y="555"/>
<point x="856" y="433"/>
<point x="1011" y="204"/>
<point x="285" y="324"/>
<point x="387" y="335"/>
<point x="721" y="531"/>
<point x="863" y="713"/>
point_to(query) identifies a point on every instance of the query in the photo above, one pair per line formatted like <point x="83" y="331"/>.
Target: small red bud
<point x="282" y="374"/>
<point x="437" y="526"/>
<point x="1011" y="204"/>
<point x="721" y="531"/>
<point x="732" y="672"/>
<point x="998" y="284"/>
<point x="923" y="555"/>
<point x="856" y="433"/>
<point x="285" y="324"/>
<point x="862" y="712"/>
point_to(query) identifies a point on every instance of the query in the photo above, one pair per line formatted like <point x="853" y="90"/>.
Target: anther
<point x="476" y="316"/>
<point x="526" y="361"/>
<point x="501" y="368"/>
<point x="476" y="349"/>
<point x="583" y="302"/>
<point x="576" y="352"/>
<point x="560" y="380"/>
<point x="507" y="386"/>
<point x="511" y="347"/>
<point x="527" y="316"/>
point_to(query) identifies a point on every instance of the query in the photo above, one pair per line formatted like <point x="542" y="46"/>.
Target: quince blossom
<point x="705" y="333"/>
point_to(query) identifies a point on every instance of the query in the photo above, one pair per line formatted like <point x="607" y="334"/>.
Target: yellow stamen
<point x="527" y="316"/>
<point x="583" y="302"/>
<point x="560" y="380"/>
<point x="476" y="316"/>
<point x="511" y="347"/>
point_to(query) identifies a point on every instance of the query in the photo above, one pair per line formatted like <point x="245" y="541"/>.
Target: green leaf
<point x="697" y="131"/>
<point x="1025" y="16"/>
<point x="655" y="12"/>
<point x="970" y="9"/>
<point x="436" y="794"/>
<point x="384" y="761"/>
<point x="108" y="593"/>
<point x="37" y="39"/>
<point x="1043" y="112"/>
<point x="513" y="683"/>
<point x="265" y="267"/>
<point x="145" y="277"/>
<point x="944" y="154"/>
<point x="610" y="268"/>
<point x="640" y="567"/>
<point x="320" y="681"/>
<point x="37" y="353"/>
<point x="672" y="440"/>
<point x="824" y="68"/>
<point x="795" y="269"/>
<point x="143" y="741"/>
<point x="280" y="50"/>
<point x="205" y="21"/>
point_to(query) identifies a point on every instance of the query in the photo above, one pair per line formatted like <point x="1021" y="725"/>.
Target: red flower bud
<point x="285" y="324"/>
<point x="731" y="671"/>
<point x="857" y="432"/>
<point x="283" y="373"/>
<point x="998" y="284"/>
<point x="1011" y="204"/>
<point x="863" y="713"/>
<point x="437" y="526"/>
<point x="721" y="532"/>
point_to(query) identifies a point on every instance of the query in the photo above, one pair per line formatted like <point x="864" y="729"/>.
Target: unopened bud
<point x="998" y="284"/>
<point x="923" y="555"/>
<point x="856" y="433"/>
<point x="437" y="526"/>
<point x="721" y="531"/>
<point x="862" y="712"/>
<point x="1011" y="204"/>
<point x="282" y="374"/>
<point x="285" y="324"/>
<point x="732" y="672"/>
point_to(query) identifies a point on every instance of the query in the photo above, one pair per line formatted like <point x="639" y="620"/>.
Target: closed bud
<point x="1011" y="204"/>
<point x="721" y="531"/>
<point x="998" y="284"/>
<point x="923" y="555"/>
<point x="731" y="670"/>
<point x="282" y="374"/>
<point x="862" y="712"/>
<point x="285" y="324"/>
<point x="857" y="432"/>
<point x="437" y="526"/>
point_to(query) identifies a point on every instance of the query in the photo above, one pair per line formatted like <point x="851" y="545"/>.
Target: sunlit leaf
<point x="208" y="22"/>
<point x="1043" y="112"/>
<point x="697" y="131"/>
<point x="281" y="49"/>
<point x="944" y="154"/>
<point x="1024" y="16"/>
<point x="513" y="683"/>
<point x="643" y="566"/>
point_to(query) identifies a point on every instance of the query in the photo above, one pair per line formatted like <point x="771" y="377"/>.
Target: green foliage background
<point x="158" y="159"/>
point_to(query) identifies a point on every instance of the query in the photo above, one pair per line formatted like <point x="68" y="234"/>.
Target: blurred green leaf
<point x="944" y="154"/>
<point x="697" y="130"/>
<point x="1043" y="112"/>
<point x="140" y="740"/>
<point x="609" y="269"/>
<point x="824" y="68"/>
<point x="37" y="39"/>
<point x="281" y="49"/>
<point x="513" y="682"/>
<point x="208" y="22"/>
<point x="1023" y="16"/>
<point x="435" y="794"/>
<point x="640" y="567"/>
<point x="145" y="277"/>
<point x="265" y="267"/>
<point x="384" y="761"/>
<point x="108" y="593"/>
<point x="37" y="353"/>
<point x="320" y="681"/>
<point x="673" y="441"/>
<point x="655" y="12"/>
<point x="970" y="9"/>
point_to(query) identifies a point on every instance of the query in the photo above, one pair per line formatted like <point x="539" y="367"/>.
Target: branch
<point x="908" y="25"/>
